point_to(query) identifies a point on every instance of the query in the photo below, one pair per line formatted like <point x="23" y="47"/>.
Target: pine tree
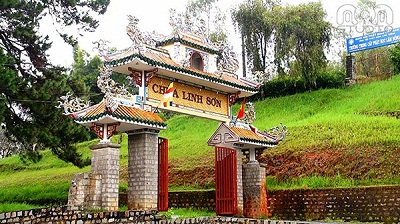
<point x="30" y="85"/>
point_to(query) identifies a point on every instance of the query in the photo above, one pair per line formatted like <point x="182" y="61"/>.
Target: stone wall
<point x="80" y="195"/>
<point x="377" y="204"/>
<point x="371" y="204"/>
<point x="184" y="199"/>
<point x="192" y="199"/>
<point x="62" y="215"/>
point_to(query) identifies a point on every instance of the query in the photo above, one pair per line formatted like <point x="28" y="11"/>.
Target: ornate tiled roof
<point x="163" y="60"/>
<point x="190" y="42"/>
<point x="122" y="113"/>
<point x="243" y="134"/>
<point x="253" y="136"/>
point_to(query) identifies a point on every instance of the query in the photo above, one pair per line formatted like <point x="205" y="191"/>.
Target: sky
<point x="154" y="15"/>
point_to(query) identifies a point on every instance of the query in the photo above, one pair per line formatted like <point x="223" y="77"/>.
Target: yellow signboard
<point x="190" y="96"/>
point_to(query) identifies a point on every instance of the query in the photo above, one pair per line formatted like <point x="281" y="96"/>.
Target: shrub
<point x="395" y="58"/>
<point x="291" y="85"/>
<point x="330" y="80"/>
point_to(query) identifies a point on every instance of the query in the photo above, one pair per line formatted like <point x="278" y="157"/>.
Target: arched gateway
<point x="183" y="73"/>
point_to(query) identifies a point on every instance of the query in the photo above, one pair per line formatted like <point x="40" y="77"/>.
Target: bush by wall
<point x="291" y="85"/>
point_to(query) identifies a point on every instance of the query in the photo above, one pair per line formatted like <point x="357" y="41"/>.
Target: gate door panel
<point x="162" y="174"/>
<point x="225" y="181"/>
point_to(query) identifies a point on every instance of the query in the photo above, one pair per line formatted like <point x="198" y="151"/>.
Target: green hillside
<point x="337" y="137"/>
<point x="351" y="135"/>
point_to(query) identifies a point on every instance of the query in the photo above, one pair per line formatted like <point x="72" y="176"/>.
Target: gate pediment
<point x="223" y="136"/>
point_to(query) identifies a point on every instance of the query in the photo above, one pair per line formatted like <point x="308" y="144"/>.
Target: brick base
<point x="254" y="191"/>
<point x="99" y="189"/>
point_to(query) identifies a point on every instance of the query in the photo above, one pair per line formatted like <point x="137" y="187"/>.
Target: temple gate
<point x="226" y="181"/>
<point x="247" y="184"/>
<point x="183" y="73"/>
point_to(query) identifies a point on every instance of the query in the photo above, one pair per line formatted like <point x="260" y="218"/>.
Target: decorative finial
<point x="250" y="114"/>
<point x="278" y="133"/>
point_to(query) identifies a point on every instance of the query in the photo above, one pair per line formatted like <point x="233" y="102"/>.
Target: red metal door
<point x="162" y="174"/>
<point x="225" y="181"/>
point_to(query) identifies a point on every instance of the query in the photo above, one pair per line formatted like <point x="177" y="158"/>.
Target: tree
<point x="298" y="36"/>
<point x="200" y="9"/>
<point x="301" y="37"/>
<point x="31" y="86"/>
<point x="255" y="23"/>
<point x="395" y="58"/>
<point x="366" y="16"/>
<point x="85" y="70"/>
<point x="198" y="16"/>
<point x="374" y="63"/>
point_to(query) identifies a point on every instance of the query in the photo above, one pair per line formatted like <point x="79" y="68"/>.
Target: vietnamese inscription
<point x="190" y="96"/>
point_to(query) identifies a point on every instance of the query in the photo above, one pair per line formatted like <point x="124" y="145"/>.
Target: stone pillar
<point x="350" y="70"/>
<point x="78" y="191"/>
<point x="105" y="162"/>
<point x="254" y="191"/>
<point x="143" y="170"/>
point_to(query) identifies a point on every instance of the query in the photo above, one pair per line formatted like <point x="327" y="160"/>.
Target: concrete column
<point x="252" y="156"/>
<point x="254" y="191"/>
<point x="105" y="165"/>
<point x="143" y="170"/>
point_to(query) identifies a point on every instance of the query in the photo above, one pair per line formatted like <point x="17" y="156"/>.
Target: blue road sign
<point x="373" y="40"/>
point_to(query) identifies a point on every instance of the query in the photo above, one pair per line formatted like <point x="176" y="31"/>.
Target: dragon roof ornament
<point x="110" y="89"/>
<point x="259" y="76"/>
<point x="72" y="104"/>
<point x="139" y="38"/>
<point x="101" y="46"/>
<point x="278" y="133"/>
<point x="185" y="23"/>
<point x="228" y="60"/>
<point x="135" y="34"/>
<point x="107" y="85"/>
